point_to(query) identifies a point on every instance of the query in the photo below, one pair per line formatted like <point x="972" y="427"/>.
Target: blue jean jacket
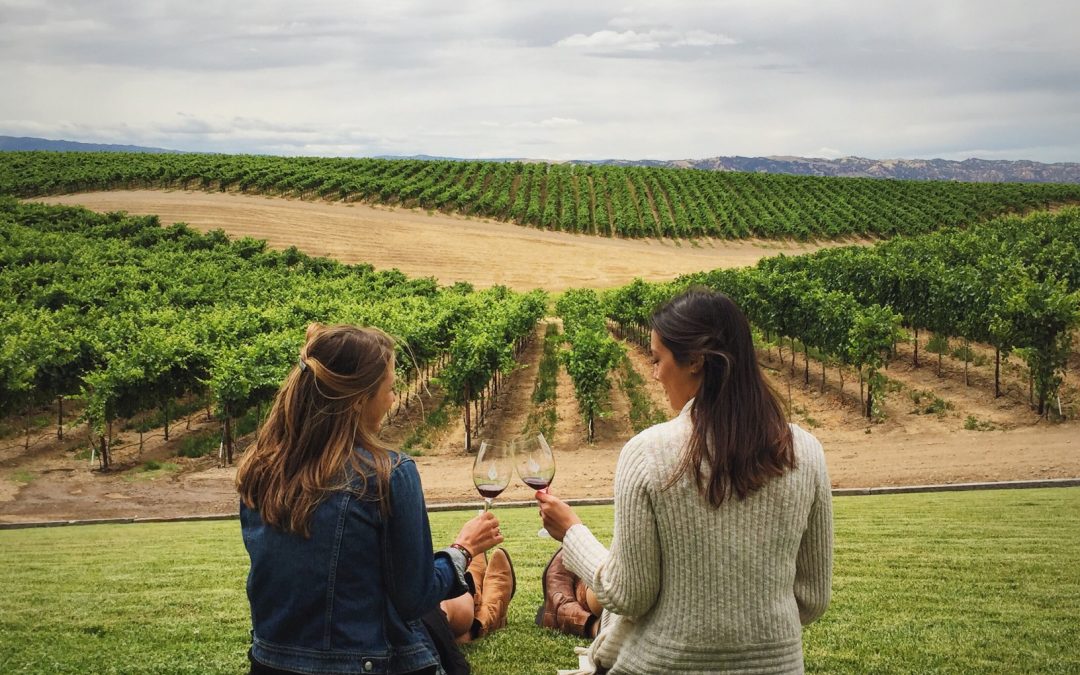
<point x="349" y="598"/>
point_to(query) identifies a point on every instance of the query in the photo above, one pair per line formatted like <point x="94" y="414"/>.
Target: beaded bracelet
<point x="464" y="551"/>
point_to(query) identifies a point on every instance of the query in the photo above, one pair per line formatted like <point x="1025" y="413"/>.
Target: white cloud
<point x="559" y="123"/>
<point x="480" y="78"/>
<point x="645" y="41"/>
<point x="549" y="123"/>
<point x="828" y="153"/>
<point x="609" y="39"/>
<point x="703" y="38"/>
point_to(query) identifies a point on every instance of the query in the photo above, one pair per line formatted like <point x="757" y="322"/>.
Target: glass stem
<point x="487" y="504"/>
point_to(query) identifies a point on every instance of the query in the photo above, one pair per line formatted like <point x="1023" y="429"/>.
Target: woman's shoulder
<point x="664" y="433"/>
<point x="395" y="455"/>
<point x="802" y="437"/>
<point x="653" y="450"/>
<point x="399" y="461"/>
<point x="808" y="448"/>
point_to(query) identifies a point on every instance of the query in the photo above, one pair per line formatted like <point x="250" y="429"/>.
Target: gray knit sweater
<point x="690" y="588"/>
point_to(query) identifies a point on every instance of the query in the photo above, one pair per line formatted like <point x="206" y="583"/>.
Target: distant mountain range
<point x="969" y="170"/>
<point x="28" y="143"/>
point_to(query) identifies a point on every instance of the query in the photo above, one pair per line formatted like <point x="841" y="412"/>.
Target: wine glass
<point x="492" y="470"/>
<point x="535" y="465"/>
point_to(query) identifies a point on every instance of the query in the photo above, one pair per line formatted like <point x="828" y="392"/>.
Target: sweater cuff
<point x="583" y="554"/>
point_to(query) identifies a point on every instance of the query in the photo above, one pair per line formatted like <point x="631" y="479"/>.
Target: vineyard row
<point x="599" y="200"/>
<point x="1013" y="283"/>
<point x="130" y="316"/>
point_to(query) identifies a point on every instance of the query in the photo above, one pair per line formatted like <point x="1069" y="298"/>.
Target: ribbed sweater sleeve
<point x="813" y="565"/>
<point x="626" y="579"/>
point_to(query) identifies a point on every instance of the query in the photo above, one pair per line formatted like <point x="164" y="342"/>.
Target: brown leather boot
<point x="498" y="587"/>
<point x="476" y="570"/>
<point x="562" y="609"/>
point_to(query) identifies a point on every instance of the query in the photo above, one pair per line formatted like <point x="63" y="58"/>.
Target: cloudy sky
<point x="557" y="79"/>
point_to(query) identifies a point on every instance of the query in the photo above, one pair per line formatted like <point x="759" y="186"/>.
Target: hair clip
<point x="303" y="364"/>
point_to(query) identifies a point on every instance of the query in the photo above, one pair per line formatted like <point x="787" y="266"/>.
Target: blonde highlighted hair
<point x="306" y="447"/>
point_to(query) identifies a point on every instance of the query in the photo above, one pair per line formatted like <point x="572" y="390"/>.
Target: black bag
<point x="453" y="661"/>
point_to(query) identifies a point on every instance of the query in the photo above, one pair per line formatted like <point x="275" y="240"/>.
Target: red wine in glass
<point x="490" y="490"/>
<point x="492" y="469"/>
<point x="535" y="464"/>
<point x="536" y="483"/>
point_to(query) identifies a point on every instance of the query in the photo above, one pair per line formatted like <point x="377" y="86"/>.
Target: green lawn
<point x="945" y="582"/>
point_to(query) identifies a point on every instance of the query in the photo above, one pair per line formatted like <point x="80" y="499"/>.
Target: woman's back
<point x="733" y="584"/>
<point x="349" y="596"/>
<point x="727" y="575"/>
<point x="335" y="525"/>
<point x="328" y="592"/>
<point x="723" y="517"/>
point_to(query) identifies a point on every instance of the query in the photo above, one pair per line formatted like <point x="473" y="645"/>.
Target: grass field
<point x="945" y="582"/>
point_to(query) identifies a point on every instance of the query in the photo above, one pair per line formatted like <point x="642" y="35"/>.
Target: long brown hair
<point x="308" y="439"/>
<point x="740" y="438"/>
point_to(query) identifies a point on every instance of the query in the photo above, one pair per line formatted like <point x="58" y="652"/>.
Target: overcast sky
<point x="556" y="79"/>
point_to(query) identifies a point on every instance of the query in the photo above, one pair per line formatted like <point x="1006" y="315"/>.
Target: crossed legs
<point x="569" y="605"/>
<point x="474" y="616"/>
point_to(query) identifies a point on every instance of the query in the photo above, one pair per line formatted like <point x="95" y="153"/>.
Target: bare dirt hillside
<point x="449" y="248"/>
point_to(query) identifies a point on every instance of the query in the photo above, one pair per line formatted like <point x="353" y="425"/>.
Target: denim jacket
<point x="349" y="598"/>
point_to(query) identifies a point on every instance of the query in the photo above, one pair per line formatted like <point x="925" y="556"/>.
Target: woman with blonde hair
<point x="343" y="578"/>
<point x="722" y="547"/>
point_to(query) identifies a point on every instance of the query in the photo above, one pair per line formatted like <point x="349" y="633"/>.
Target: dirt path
<point x="643" y="365"/>
<point x="856" y="459"/>
<point x="507" y="421"/>
<point x="616" y="425"/>
<point x="519" y="257"/>
<point x="1010" y="409"/>
<point x="51" y="481"/>
<point x="569" y="429"/>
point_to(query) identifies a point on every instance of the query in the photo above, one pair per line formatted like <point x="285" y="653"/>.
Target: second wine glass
<point x="535" y="464"/>
<point x="492" y="470"/>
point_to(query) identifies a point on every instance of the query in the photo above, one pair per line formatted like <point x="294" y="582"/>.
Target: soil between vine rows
<point x="469" y="249"/>
<point x="47" y="482"/>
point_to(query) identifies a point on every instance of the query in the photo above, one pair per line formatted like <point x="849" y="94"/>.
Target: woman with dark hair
<point x="722" y="547"/>
<point x="343" y="578"/>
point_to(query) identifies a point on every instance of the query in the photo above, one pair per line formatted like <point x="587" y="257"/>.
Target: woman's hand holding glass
<point x="557" y="515"/>
<point x="480" y="534"/>
<point x="535" y="465"/>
